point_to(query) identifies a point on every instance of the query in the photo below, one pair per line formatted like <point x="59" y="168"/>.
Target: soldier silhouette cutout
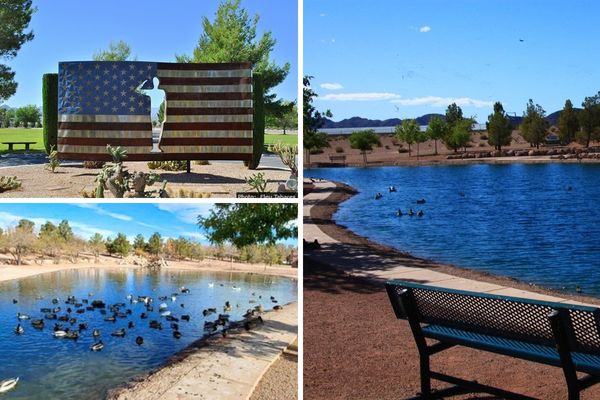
<point x="146" y="88"/>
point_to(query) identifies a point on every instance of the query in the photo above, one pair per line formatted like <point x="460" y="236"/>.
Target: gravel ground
<point x="215" y="180"/>
<point x="280" y="381"/>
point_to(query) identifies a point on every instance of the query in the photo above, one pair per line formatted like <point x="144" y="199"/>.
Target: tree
<point x="155" y="244"/>
<point x="407" y="132"/>
<point x="120" y="245"/>
<point x="119" y="51"/>
<point x="160" y="115"/>
<point x="459" y="135"/>
<point x="313" y="120"/>
<point x="364" y="141"/>
<point x="454" y="114"/>
<point x="15" y="16"/>
<point x="19" y="241"/>
<point x="26" y="225"/>
<point x="48" y="229"/>
<point x="232" y="37"/>
<point x="244" y="224"/>
<point x="96" y="244"/>
<point x="589" y="120"/>
<point x="568" y="123"/>
<point x="285" y="118"/>
<point x="499" y="128"/>
<point x="436" y="130"/>
<point x="64" y="230"/>
<point x="28" y="115"/>
<point x="139" y="243"/>
<point x="534" y="125"/>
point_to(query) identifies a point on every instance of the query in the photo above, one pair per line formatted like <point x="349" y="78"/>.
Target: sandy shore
<point x="355" y="348"/>
<point x="8" y="272"/>
<point x="215" y="180"/>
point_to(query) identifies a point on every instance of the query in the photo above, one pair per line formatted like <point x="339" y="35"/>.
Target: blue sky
<point x="169" y="219"/>
<point x="156" y="30"/>
<point x="401" y="59"/>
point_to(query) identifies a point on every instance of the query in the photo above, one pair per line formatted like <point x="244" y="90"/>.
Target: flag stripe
<point x="210" y="118"/>
<point x="157" y="156"/>
<point x="209" y="104"/>
<point x="203" y="66"/>
<point x="208" y="133"/>
<point x="208" y="111"/>
<point x="205" y="141"/>
<point x="82" y="150"/>
<point x="236" y="73"/>
<point x="210" y="96"/>
<point x="207" y="126"/>
<point x="204" y="81"/>
<point x="101" y="134"/>
<point x="206" y="149"/>
<point x="206" y="88"/>
<point x="99" y="141"/>
<point x="115" y="126"/>
<point x="103" y="118"/>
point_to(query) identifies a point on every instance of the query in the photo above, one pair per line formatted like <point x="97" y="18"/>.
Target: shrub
<point x="50" y="110"/>
<point x="339" y="149"/>
<point x="316" y="151"/>
<point x="387" y="147"/>
<point x="257" y="182"/>
<point x="483" y="136"/>
<point x="93" y="164"/>
<point x="179" y="165"/>
<point x="53" y="161"/>
<point x="402" y="150"/>
<point x="9" y="183"/>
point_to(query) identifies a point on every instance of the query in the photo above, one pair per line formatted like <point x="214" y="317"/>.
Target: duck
<point x="185" y="290"/>
<point x="392" y="189"/>
<point x="253" y="322"/>
<point x="97" y="346"/>
<point x="83" y="327"/>
<point x="278" y="308"/>
<point x="185" y="317"/>
<point x="171" y="318"/>
<point x="130" y="325"/>
<point x="110" y="319"/>
<point x="209" y="311"/>
<point x="399" y="213"/>
<point x="143" y="315"/>
<point x="80" y="311"/>
<point x="162" y="298"/>
<point x="411" y="212"/>
<point x="420" y="213"/>
<point x="19" y="329"/>
<point x="22" y="316"/>
<point x="96" y="333"/>
<point x="15" y="301"/>
<point x="45" y="310"/>
<point x="60" y="333"/>
<point x="139" y="340"/>
<point x="421" y="201"/>
<point x="176" y="334"/>
<point x="236" y="289"/>
<point x="227" y="307"/>
<point x="55" y="300"/>
<point x="175" y="326"/>
<point x="378" y="196"/>
<point x="210" y="326"/>
<point x="50" y="316"/>
<point x="211" y="285"/>
<point x="8" y="384"/>
<point x="118" y="332"/>
<point x="173" y="298"/>
<point x="162" y="307"/>
<point x="155" y="324"/>
<point x="165" y="313"/>
<point x="37" y="323"/>
<point x="72" y="335"/>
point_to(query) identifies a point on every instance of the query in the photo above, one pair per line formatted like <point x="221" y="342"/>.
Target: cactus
<point x="53" y="161"/>
<point x="9" y="183"/>
<point x="257" y="182"/>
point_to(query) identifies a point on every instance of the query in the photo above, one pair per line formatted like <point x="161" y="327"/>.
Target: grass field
<point x="35" y="135"/>
<point x="21" y="135"/>
<point x="287" y="139"/>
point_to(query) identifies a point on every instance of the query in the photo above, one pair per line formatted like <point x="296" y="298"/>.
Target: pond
<point x="53" y="368"/>
<point x="538" y="223"/>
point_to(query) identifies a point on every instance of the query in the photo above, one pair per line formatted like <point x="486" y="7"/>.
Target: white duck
<point x="60" y="333"/>
<point x="8" y="384"/>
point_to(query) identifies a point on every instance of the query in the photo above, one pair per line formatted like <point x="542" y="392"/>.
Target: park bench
<point x="562" y="335"/>
<point x="11" y="144"/>
<point x="338" y="159"/>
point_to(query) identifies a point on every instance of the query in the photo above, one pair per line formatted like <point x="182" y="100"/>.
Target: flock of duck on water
<point x="400" y="213"/>
<point x="66" y="324"/>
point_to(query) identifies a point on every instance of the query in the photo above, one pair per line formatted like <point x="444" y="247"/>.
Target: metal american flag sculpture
<point x="208" y="110"/>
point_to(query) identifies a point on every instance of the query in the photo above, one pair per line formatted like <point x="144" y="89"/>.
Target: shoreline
<point x="13" y="272"/>
<point x="321" y="214"/>
<point x="424" y="161"/>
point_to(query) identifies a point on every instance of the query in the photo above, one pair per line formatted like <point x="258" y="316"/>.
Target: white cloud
<point x="331" y="86"/>
<point x="425" y="29"/>
<point x="322" y="15"/>
<point x="101" y="211"/>
<point x="194" y="235"/>
<point x="436" y="101"/>
<point x="187" y="213"/>
<point x="363" y="96"/>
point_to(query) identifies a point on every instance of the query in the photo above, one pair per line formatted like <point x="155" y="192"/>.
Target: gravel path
<point x="281" y="380"/>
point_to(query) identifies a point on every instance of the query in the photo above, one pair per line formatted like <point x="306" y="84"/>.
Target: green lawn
<point x="21" y="135"/>
<point x="287" y="139"/>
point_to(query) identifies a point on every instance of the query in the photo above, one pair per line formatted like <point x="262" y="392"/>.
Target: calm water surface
<point x="514" y="220"/>
<point x="52" y="368"/>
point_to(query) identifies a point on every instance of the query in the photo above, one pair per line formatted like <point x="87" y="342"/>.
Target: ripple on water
<point x="517" y="220"/>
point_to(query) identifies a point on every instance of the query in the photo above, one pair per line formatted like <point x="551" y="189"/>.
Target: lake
<point x="539" y="223"/>
<point x="58" y="368"/>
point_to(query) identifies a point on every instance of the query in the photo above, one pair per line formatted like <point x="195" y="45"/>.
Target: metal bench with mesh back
<point x="557" y="334"/>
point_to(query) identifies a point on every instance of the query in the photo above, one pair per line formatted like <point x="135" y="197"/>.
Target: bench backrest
<point x="502" y="316"/>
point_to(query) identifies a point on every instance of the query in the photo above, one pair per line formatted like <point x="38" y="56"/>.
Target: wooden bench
<point x="562" y="335"/>
<point x="11" y="144"/>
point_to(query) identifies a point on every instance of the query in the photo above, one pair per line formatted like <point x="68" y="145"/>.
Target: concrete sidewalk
<point x="226" y="368"/>
<point x="361" y="261"/>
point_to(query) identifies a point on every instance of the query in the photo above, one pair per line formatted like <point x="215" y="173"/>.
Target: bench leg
<point x="10" y="147"/>
<point x="425" y="376"/>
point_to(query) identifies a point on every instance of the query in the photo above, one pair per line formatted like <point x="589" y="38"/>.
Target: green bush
<point x="9" y="183"/>
<point x="179" y="165"/>
<point x="50" y="110"/>
<point x="339" y="149"/>
<point x="258" y="136"/>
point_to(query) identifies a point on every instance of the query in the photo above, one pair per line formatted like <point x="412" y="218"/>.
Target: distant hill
<point x="358" y="122"/>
